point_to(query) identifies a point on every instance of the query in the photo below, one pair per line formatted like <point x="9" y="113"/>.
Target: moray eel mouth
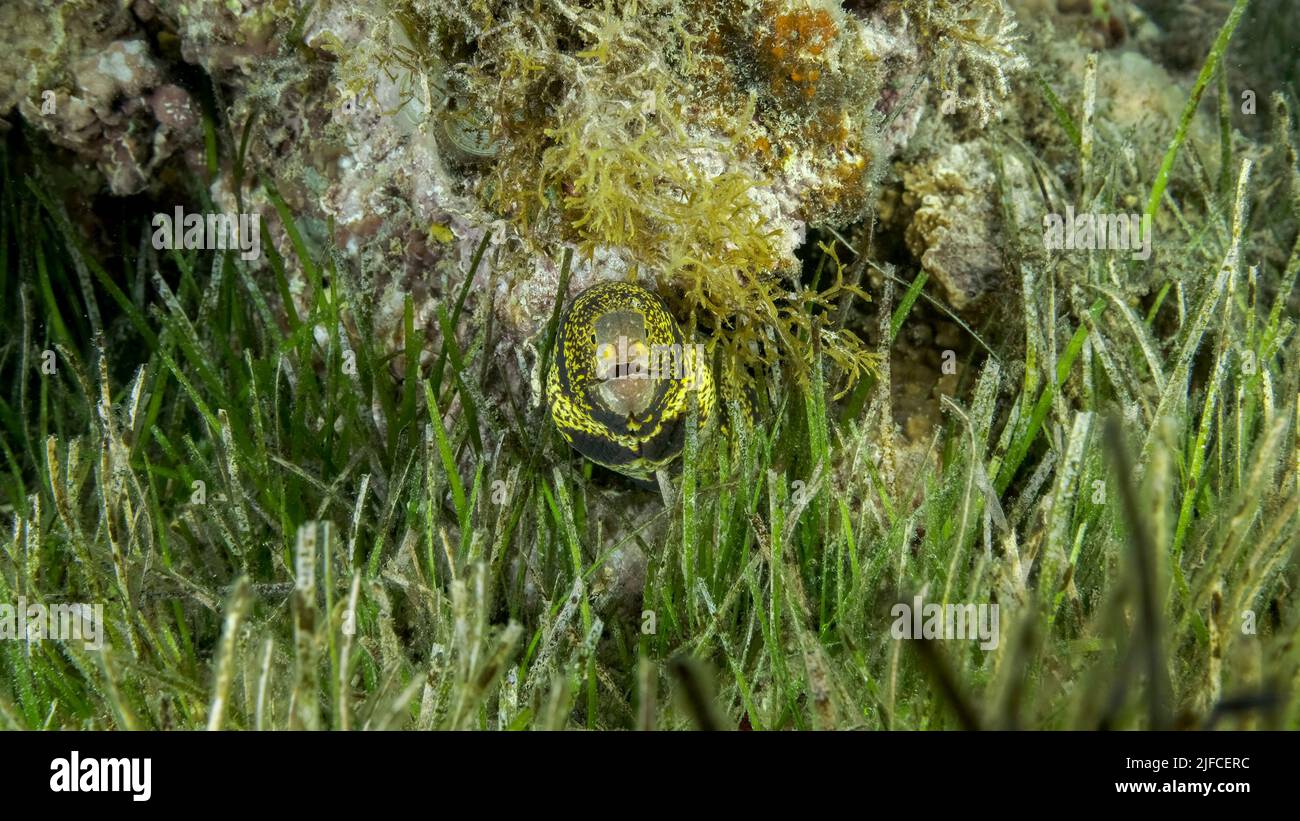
<point x="621" y="379"/>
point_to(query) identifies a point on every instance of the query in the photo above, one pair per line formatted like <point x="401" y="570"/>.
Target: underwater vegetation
<point x="990" y="306"/>
<point x="689" y="145"/>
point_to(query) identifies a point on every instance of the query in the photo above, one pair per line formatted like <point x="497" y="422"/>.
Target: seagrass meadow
<point x="998" y="297"/>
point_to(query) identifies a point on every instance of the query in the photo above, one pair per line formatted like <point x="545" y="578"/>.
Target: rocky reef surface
<point x="691" y="144"/>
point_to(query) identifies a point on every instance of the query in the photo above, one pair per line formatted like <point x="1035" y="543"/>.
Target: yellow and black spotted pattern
<point x="621" y="379"/>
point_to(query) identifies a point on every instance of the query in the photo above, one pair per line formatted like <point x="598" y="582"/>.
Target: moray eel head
<point x="621" y="379"/>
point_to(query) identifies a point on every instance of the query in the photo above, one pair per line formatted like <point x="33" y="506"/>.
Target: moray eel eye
<point x="621" y="379"/>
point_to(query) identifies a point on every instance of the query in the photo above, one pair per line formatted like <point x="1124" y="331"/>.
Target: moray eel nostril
<point x="621" y="379"/>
